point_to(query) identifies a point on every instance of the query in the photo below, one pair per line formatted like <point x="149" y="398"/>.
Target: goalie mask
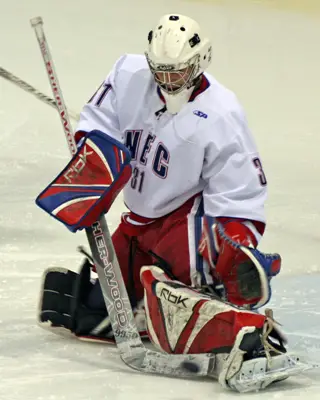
<point x="177" y="55"/>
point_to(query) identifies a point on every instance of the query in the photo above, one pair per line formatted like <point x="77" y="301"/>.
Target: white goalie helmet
<point x="177" y="55"/>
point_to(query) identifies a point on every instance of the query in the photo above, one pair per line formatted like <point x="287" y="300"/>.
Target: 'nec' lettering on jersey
<point x="161" y="156"/>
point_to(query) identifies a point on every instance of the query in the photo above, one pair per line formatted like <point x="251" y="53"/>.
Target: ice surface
<point x="270" y="59"/>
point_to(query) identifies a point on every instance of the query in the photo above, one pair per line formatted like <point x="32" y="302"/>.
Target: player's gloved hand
<point x="88" y="185"/>
<point x="244" y="271"/>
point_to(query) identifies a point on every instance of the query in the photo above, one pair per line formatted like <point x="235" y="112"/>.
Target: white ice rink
<point x="271" y="59"/>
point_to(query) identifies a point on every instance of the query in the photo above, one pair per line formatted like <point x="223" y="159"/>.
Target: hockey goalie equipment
<point x="65" y="308"/>
<point x="244" y="271"/>
<point x="248" y="347"/>
<point x="183" y="320"/>
<point x="255" y="359"/>
<point x="88" y="185"/>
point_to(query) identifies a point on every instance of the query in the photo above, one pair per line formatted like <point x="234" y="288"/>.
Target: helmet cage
<point x="174" y="78"/>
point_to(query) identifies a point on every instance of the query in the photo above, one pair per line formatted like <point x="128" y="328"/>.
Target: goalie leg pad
<point x="248" y="348"/>
<point x="63" y="303"/>
<point x="56" y="297"/>
<point x="73" y="303"/>
<point x="183" y="320"/>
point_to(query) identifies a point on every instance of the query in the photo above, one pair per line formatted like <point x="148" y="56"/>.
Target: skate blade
<point x="251" y="380"/>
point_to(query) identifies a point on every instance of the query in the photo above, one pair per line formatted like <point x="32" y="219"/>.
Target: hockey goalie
<point x="177" y="142"/>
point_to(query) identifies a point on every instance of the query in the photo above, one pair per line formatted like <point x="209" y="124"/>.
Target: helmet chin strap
<point x="175" y="102"/>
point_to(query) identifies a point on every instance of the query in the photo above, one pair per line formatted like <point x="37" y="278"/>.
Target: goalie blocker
<point x="88" y="185"/>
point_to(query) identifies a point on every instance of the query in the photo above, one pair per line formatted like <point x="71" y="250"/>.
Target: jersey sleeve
<point x="233" y="173"/>
<point x="100" y="113"/>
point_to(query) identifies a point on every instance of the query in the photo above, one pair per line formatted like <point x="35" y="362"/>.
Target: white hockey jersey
<point x="207" y="147"/>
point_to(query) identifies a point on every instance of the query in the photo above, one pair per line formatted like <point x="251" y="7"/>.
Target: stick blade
<point x="153" y="362"/>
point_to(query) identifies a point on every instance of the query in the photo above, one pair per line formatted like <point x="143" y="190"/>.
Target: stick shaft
<point x="37" y="25"/>
<point x="99" y="238"/>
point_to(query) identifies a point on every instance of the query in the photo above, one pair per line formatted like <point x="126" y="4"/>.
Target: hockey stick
<point x="132" y="350"/>
<point x="30" y="89"/>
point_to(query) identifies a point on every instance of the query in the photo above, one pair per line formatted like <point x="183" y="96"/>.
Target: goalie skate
<point x="259" y="373"/>
<point x="268" y="366"/>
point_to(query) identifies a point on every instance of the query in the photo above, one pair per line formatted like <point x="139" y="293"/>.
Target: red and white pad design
<point x="182" y="320"/>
